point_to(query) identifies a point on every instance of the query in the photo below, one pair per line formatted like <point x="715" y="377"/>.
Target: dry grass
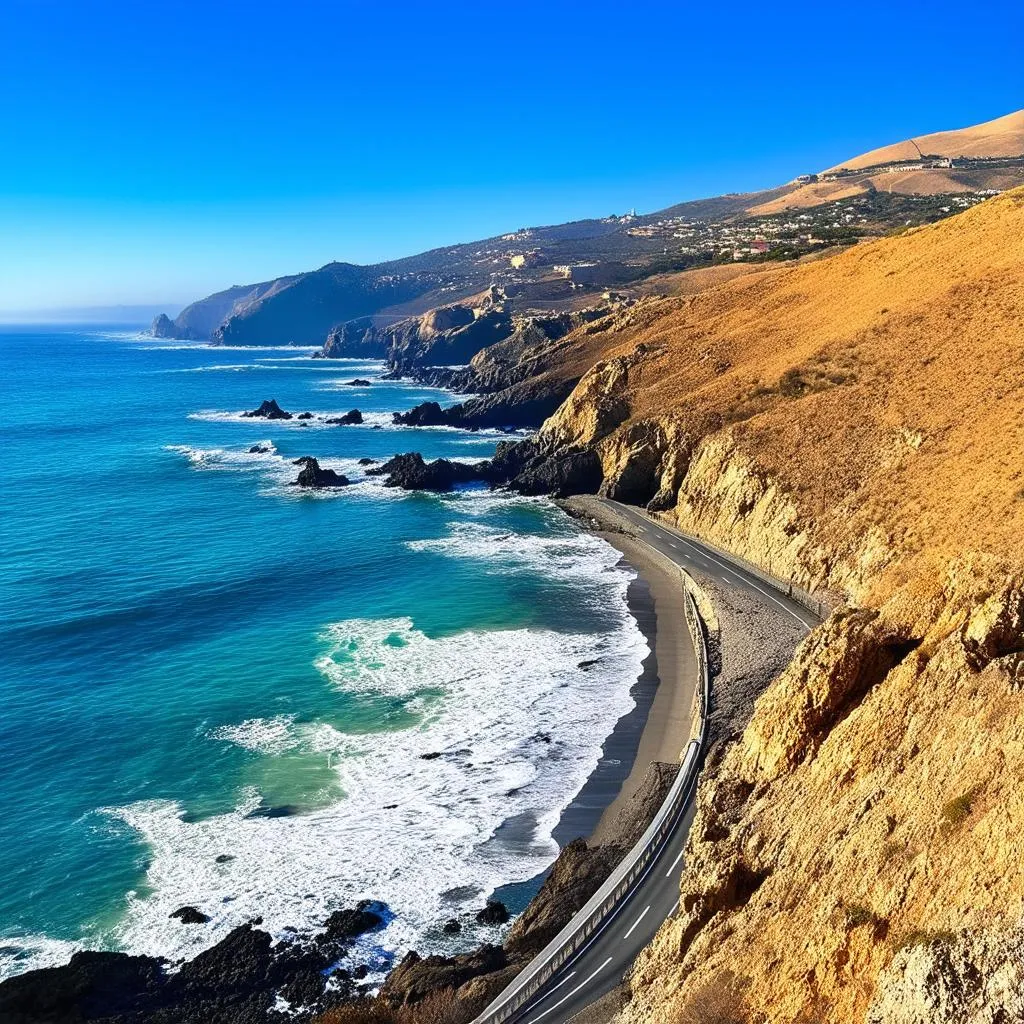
<point x="956" y="811"/>
<point x="718" y="1001"/>
<point x="1002" y="137"/>
<point x="904" y="356"/>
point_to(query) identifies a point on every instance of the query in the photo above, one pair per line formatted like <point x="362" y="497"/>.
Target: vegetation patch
<point x="956" y="811"/>
<point x="718" y="1001"/>
<point x="924" y="937"/>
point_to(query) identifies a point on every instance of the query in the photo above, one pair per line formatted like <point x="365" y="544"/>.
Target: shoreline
<point x="666" y="724"/>
<point x="658" y="726"/>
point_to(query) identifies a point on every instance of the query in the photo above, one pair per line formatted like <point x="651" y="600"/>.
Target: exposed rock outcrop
<point x="412" y="473"/>
<point x="417" y="977"/>
<point x="269" y="410"/>
<point x="190" y="915"/>
<point x="495" y="912"/>
<point x="353" y="416"/>
<point x="355" y="339"/>
<point x="239" y="979"/>
<point x="313" y="476"/>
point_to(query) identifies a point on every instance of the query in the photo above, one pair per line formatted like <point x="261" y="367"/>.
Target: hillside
<point x="1001" y="137"/>
<point x="851" y="424"/>
<point x="621" y="252"/>
<point x="985" y="157"/>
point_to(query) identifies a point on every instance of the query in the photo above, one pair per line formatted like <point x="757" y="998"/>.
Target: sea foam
<point x="508" y="727"/>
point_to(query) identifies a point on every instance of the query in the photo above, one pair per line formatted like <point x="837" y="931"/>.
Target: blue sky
<point x="154" y="152"/>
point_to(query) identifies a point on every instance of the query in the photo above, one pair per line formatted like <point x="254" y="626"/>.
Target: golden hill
<point x="1003" y="136"/>
<point x="863" y="384"/>
<point x="854" y="425"/>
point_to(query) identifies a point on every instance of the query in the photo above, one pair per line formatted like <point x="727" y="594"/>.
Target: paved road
<point x="614" y="948"/>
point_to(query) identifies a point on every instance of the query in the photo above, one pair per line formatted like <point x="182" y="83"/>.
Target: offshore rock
<point x="311" y="475"/>
<point x="353" y="416"/>
<point x="189" y="915"/>
<point x="410" y="472"/>
<point x="426" y="414"/>
<point x="347" y="924"/>
<point x="268" y="410"/>
<point x="495" y="912"/>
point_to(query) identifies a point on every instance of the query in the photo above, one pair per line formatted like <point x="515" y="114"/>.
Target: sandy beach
<point x="659" y="727"/>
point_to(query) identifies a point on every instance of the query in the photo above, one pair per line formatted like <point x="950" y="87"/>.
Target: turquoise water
<point x="200" y="662"/>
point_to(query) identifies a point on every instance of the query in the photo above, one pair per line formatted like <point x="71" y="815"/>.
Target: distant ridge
<point x="302" y="309"/>
<point x="1001" y="137"/>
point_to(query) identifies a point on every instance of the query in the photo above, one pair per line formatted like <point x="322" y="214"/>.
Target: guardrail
<point x="572" y="941"/>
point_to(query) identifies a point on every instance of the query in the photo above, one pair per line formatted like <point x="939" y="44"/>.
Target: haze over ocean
<point x="218" y="690"/>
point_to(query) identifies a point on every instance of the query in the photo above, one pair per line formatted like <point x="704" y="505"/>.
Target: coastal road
<point x="655" y="898"/>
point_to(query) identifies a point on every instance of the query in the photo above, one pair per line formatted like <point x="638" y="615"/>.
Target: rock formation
<point x="241" y="978"/>
<point x="269" y="410"/>
<point x="411" y="472"/>
<point x="311" y="475"/>
<point x="351" y="417"/>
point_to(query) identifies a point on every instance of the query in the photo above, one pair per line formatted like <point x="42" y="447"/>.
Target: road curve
<point x="614" y="947"/>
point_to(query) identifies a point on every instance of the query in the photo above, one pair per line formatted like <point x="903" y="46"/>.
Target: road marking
<point x="636" y="922"/>
<point x="674" y="863"/>
<point x="578" y="988"/>
<point x="748" y="582"/>
<point x="675" y="907"/>
<point x="568" y="977"/>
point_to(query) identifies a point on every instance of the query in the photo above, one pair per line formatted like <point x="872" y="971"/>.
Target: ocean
<point x="220" y="691"/>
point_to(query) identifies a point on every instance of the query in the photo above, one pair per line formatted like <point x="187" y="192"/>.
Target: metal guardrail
<point x="571" y="942"/>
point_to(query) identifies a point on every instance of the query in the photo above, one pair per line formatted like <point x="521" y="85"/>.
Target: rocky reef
<point x="244" y="977"/>
<point x="412" y="473"/>
<point x="268" y="410"/>
<point x="313" y="476"/>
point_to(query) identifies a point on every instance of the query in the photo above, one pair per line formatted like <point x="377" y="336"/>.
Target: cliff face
<point x="851" y="425"/>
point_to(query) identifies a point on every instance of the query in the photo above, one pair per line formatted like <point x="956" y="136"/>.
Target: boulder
<point x="366" y="461"/>
<point x="189" y="915"/>
<point x="351" y="417"/>
<point x="260" y="449"/>
<point x="304" y="416"/>
<point x="452" y="927"/>
<point x="268" y="410"/>
<point x="495" y="912"/>
<point x="345" y="925"/>
<point x="311" y="475"/>
<point x="358" y="383"/>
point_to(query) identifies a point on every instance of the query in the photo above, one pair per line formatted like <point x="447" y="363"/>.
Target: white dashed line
<point x="750" y="583"/>
<point x="636" y="922"/>
<point x="674" y="864"/>
<point x="578" y="988"/>
<point x="568" y="977"/>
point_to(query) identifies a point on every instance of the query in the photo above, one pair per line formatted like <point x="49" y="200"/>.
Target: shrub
<point x="791" y="384"/>
<point x="924" y="937"/>
<point x="718" y="1001"/>
<point x="857" y="915"/>
<point x="956" y="811"/>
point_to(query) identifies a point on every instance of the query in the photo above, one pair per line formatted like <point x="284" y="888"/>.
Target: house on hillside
<point x="578" y="273"/>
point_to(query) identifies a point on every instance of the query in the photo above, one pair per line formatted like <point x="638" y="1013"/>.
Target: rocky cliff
<point x="850" y="425"/>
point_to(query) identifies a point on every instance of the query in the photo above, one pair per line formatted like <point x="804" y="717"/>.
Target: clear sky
<point x="154" y="151"/>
